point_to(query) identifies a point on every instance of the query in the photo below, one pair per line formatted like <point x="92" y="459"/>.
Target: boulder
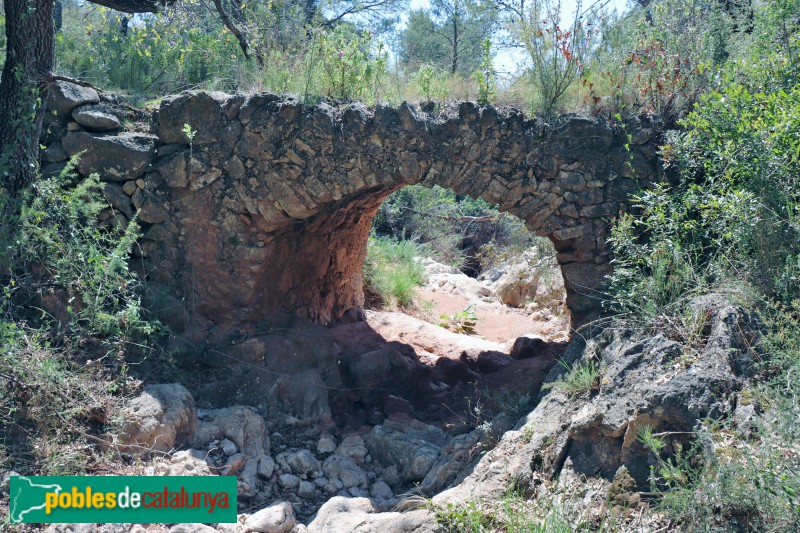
<point x="63" y="97"/>
<point x="277" y="518"/>
<point x="183" y="463"/>
<point x="532" y="279"/>
<point x="377" y="373"/>
<point x="345" y="470"/>
<point x="162" y="418"/>
<point x="97" y="118"/>
<point x="239" y="424"/>
<point x="361" y="515"/>
<point x="290" y="373"/>
<point x="120" y="157"/>
<point x="118" y="199"/>
<point x="529" y="346"/>
<point x="303" y="462"/>
<point x="644" y="379"/>
<point x="201" y="111"/>
<point x="411" y="445"/>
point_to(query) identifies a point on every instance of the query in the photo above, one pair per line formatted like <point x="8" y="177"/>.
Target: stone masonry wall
<point x="266" y="212"/>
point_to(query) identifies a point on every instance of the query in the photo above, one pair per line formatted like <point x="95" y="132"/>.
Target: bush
<point x="69" y="319"/>
<point x="391" y="272"/>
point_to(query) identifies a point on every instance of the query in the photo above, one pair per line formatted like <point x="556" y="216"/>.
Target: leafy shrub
<point x="61" y="368"/>
<point x="463" y="321"/>
<point x="59" y="254"/>
<point x="391" y="271"/>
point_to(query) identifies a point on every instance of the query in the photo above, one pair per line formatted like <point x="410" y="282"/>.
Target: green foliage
<point x="430" y="83"/>
<point x="730" y="220"/>
<point x="60" y="254"/>
<point x="463" y="321"/>
<point x="391" y="271"/>
<point x="553" y="513"/>
<point x="449" y="35"/>
<point x="583" y="378"/>
<point x="68" y="316"/>
<point x="486" y="75"/>
<point x="352" y="65"/>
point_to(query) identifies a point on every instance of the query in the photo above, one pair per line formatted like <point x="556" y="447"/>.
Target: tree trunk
<point x="28" y="66"/>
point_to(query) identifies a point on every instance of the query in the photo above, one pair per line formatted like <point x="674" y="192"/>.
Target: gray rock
<point x="234" y="463"/>
<point x="411" y="445"/>
<point x="381" y="491"/>
<point x="289" y="481"/>
<point x="303" y="462"/>
<point x="345" y="470"/>
<point x="248" y="479"/>
<point x="191" y="528"/>
<point x="202" y="111"/>
<point x="239" y="424"/>
<point x="115" y="158"/>
<point x="228" y="447"/>
<point x="266" y="466"/>
<point x="643" y="383"/>
<point x="5" y="482"/>
<point x="361" y="515"/>
<point x="96" y="118"/>
<point x="326" y="444"/>
<point x="54" y="153"/>
<point x="118" y="199"/>
<point x="63" y="97"/>
<point x="306" y="490"/>
<point x="163" y="417"/>
<point x="277" y="518"/>
<point x="183" y="463"/>
<point x="378" y="373"/>
<point x="353" y="446"/>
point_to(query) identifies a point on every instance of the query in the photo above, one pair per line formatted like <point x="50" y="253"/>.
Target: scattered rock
<point x="326" y="444"/>
<point x="239" y="424"/>
<point x="162" y="418"/>
<point x="234" y="463"/>
<point x="411" y="445"/>
<point x="303" y="462"/>
<point x="266" y="466"/>
<point x="306" y="490"/>
<point x="5" y="482"/>
<point x="183" y="463"/>
<point x="228" y="447"/>
<point x="353" y="446"/>
<point x="277" y="518"/>
<point x="381" y="491"/>
<point x="289" y="481"/>
<point x="361" y="515"/>
<point x="96" y="118"/>
<point x="191" y="528"/>
<point x="345" y="470"/>
<point x="63" y="97"/>
<point x="115" y="158"/>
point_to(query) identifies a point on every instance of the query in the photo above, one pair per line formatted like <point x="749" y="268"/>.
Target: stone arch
<point x="266" y="213"/>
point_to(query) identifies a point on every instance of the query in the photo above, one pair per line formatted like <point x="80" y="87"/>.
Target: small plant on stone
<point x="583" y="378"/>
<point x="463" y="321"/>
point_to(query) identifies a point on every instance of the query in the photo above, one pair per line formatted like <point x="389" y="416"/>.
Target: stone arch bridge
<point x="266" y="211"/>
